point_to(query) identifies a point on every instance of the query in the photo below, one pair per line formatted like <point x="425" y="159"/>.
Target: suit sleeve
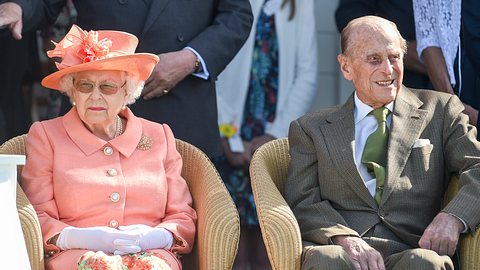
<point x="37" y="182"/>
<point x="180" y="217"/>
<point x="462" y="155"/>
<point x="318" y="220"/>
<point x="220" y="41"/>
<point x="348" y="10"/>
<point x="38" y="13"/>
<point x="471" y="31"/>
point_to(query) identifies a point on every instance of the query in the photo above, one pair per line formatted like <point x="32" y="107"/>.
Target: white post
<point x="13" y="251"/>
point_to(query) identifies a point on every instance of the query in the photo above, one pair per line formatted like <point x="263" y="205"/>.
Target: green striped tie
<point x="375" y="152"/>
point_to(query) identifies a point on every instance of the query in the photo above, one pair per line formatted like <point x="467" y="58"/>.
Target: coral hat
<point x="98" y="50"/>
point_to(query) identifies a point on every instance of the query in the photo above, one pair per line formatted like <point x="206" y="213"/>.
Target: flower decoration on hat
<point x="80" y="46"/>
<point x="92" y="49"/>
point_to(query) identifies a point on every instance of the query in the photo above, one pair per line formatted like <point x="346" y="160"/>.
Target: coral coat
<point x="72" y="181"/>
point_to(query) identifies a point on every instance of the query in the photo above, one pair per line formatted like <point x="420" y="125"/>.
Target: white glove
<point x="148" y="237"/>
<point x="103" y="238"/>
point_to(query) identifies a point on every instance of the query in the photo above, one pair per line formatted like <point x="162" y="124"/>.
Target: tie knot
<point x="381" y="114"/>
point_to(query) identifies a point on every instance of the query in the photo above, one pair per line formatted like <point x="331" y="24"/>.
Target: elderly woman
<point x="106" y="185"/>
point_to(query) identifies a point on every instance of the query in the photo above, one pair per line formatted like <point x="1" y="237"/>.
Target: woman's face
<point x="99" y="96"/>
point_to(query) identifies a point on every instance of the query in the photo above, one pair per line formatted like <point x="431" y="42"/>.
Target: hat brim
<point x="139" y="64"/>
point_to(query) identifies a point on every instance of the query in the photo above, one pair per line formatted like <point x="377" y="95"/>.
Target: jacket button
<point x="113" y="223"/>
<point x="115" y="197"/>
<point x="122" y="2"/>
<point x="180" y="37"/>
<point x="108" y="151"/>
<point x="112" y="172"/>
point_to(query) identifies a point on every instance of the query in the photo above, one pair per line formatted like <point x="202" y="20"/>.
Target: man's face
<point x="374" y="65"/>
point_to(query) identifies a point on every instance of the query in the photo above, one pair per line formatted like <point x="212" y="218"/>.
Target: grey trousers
<point x="335" y="258"/>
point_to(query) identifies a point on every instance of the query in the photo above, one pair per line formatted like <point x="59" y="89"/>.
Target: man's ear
<point x="345" y="66"/>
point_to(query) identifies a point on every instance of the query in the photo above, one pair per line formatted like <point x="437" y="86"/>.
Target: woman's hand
<point x="103" y="238"/>
<point x="148" y="237"/>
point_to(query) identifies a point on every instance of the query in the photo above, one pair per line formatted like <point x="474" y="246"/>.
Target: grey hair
<point x="133" y="87"/>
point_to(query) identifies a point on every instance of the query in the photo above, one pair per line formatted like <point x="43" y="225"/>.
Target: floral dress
<point x="139" y="261"/>
<point x="260" y="108"/>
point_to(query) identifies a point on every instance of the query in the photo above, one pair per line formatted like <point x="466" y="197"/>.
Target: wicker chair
<point x="280" y="229"/>
<point x="218" y="224"/>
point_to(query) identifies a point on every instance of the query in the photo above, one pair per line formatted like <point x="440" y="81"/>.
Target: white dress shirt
<point x="364" y="126"/>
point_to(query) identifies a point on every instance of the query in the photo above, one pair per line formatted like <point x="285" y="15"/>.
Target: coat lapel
<point x="339" y="132"/>
<point x="156" y="7"/>
<point x="405" y="129"/>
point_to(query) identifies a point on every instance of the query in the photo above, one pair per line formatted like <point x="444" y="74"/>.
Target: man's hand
<point x="235" y="158"/>
<point x="442" y="234"/>
<point x="11" y="17"/>
<point x="472" y="114"/>
<point x="170" y="70"/>
<point x="259" y="141"/>
<point x="362" y="255"/>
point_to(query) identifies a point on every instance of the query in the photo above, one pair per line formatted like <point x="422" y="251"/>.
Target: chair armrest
<point x="469" y="246"/>
<point x="470" y="251"/>
<point x="31" y="230"/>
<point x="218" y="224"/>
<point x="280" y="230"/>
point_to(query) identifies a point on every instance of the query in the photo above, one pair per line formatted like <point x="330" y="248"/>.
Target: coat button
<point x="180" y="37"/>
<point x="113" y="223"/>
<point x="112" y="172"/>
<point x="115" y="197"/>
<point x="108" y="151"/>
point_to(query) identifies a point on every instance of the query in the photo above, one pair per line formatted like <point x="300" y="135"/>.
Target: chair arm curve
<point x="31" y="230"/>
<point x="280" y="230"/>
<point x="218" y="223"/>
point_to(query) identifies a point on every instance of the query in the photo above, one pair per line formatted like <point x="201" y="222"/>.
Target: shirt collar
<point x="362" y="110"/>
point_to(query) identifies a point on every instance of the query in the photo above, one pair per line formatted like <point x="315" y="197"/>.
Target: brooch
<point x="145" y="143"/>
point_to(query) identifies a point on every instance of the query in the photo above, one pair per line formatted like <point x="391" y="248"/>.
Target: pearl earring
<point x="124" y="107"/>
<point x="74" y="103"/>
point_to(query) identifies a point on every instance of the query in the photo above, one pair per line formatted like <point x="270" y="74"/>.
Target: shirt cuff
<point x="204" y="73"/>
<point x="465" y="227"/>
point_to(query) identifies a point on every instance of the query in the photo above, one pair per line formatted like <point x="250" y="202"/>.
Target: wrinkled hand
<point x="362" y="255"/>
<point x="238" y="159"/>
<point x="103" y="238"/>
<point x="149" y="237"/>
<point x="442" y="234"/>
<point x="170" y="70"/>
<point x="259" y="141"/>
<point x="11" y="17"/>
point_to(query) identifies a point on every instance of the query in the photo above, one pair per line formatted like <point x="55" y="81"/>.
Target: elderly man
<point x="366" y="179"/>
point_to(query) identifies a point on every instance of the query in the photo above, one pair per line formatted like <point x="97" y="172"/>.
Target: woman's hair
<point x="133" y="86"/>
<point x="292" y="8"/>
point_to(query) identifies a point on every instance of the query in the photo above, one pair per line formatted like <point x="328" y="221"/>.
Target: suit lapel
<point x="405" y="129"/>
<point x="156" y="7"/>
<point x="339" y="132"/>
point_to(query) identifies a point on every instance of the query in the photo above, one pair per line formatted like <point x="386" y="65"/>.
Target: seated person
<point x="105" y="184"/>
<point x="366" y="178"/>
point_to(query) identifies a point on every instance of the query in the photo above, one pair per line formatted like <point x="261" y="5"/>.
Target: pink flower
<point x="92" y="49"/>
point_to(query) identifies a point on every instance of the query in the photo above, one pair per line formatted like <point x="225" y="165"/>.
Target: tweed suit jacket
<point x="216" y="29"/>
<point x="329" y="197"/>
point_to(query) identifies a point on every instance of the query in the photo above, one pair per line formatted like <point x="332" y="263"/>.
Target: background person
<point x="270" y="82"/>
<point x="195" y="40"/>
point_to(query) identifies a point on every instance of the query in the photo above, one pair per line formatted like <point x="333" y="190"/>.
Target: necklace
<point x="118" y="127"/>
